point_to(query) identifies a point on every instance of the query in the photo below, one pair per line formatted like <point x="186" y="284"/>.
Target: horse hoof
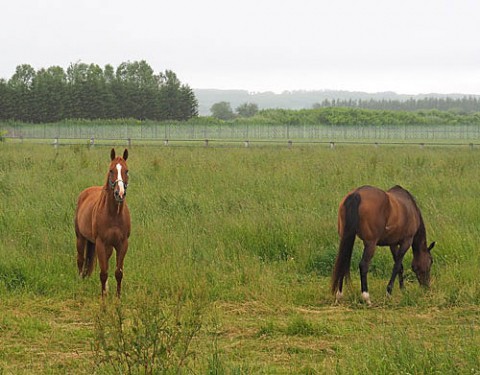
<point x="338" y="297"/>
<point x="338" y="300"/>
<point x="366" y="298"/>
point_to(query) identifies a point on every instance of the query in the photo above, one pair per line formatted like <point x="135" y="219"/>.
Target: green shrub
<point x="148" y="338"/>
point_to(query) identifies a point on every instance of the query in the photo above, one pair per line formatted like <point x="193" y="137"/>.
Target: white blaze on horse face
<point x="121" y="186"/>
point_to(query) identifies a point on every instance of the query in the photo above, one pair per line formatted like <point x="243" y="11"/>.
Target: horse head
<point x="118" y="175"/>
<point x="422" y="262"/>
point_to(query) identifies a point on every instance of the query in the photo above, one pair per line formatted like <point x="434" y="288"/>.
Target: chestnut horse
<point x="380" y="218"/>
<point x="102" y="222"/>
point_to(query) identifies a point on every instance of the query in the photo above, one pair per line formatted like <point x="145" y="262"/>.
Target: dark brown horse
<point x="380" y="218"/>
<point x="102" y="222"/>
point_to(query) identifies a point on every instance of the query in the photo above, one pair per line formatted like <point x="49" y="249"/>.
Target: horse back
<point x="386" y="218"/>
<point x="373" y="211"/>
<point x="84" y="211"/>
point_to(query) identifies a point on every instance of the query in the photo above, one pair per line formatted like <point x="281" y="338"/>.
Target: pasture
<point x="229" y="264"/>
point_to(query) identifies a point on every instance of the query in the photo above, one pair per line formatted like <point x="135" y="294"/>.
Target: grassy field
<point x="229" y="263"/>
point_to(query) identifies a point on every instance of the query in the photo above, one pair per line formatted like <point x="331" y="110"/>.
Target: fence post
<point x="247" y="143"/>
<point x="129" y="141"/>
<point x="165" y="142"/>
<point x="332" y="145"/>
<point x="92" y="141"/>
<point x="290" y="143"/>
<point x="55" y="142"/>
<point x="206" y="142"/>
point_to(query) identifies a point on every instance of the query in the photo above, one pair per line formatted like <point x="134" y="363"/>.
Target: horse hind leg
<point x="81" y="243"/>
<point x="367" y="256"/>
<point x="90" y="259"/>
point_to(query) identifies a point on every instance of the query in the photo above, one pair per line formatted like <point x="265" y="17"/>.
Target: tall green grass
<point x="251" y="235"/>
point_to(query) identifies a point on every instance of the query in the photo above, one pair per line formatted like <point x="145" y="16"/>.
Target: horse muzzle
<point x="119" y="188"/>
<point x="424" y="281"/>
<point x="119" y="198"/>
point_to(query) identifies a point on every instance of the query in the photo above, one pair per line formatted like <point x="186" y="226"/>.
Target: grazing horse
<point x="380" y="218"/>
<point x="102" y="222"/>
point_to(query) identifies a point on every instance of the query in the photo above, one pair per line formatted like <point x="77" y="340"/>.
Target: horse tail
<point x="351" y="220"/>
<point x="90" y="259"/>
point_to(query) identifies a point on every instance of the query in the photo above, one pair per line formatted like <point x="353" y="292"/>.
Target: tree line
<point x="466" y="104"/>
<point x="224" y="111"/>
<point x="87" y="91"/>
<point x="344" y="116"/>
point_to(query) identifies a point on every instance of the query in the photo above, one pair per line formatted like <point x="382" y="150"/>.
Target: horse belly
<point x="388" y="242"/>
<point x="393" y="236"/>
<point x="84" y="212"/>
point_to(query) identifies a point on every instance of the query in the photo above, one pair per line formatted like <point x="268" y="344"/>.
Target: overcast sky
<point x="406" y="46"/>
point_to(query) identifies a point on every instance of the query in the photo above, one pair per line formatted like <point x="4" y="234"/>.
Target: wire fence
<point x="170" y="133"/>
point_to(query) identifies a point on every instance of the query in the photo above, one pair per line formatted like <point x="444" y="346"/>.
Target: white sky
<point x="406" y="46"/>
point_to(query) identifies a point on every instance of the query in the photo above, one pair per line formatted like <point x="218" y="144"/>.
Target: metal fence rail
<point x="192" y="132"/>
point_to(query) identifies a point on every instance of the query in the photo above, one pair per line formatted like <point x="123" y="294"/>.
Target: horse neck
<point x="419" y="239"/>
<point x="108" y="202"/>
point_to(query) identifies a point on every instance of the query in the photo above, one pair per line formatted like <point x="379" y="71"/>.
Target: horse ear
<point x="112" y="154"/>
<point x="431" y="246"/>
<point x="125" y="155"/>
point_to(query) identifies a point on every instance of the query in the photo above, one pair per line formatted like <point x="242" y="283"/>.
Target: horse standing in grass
<point x="102" y="222"/>
<point x="380" y="218"/>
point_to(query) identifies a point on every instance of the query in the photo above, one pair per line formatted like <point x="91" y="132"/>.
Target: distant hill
<point x="296" y="99"/>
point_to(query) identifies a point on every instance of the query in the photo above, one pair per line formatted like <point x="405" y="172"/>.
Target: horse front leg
<point x="121" y="252"/>
<point x="368" y="251"/>
<point x="398" y="253"/>
<point x="103" y="253"/>
<point x="394" y="250"/>
<point x="339" y="294"/>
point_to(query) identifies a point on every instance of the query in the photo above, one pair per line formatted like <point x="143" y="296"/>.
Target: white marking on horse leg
<point x="121" y="186"/>
<point x="338" y="296"/>
<point x="366" y="298"/>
